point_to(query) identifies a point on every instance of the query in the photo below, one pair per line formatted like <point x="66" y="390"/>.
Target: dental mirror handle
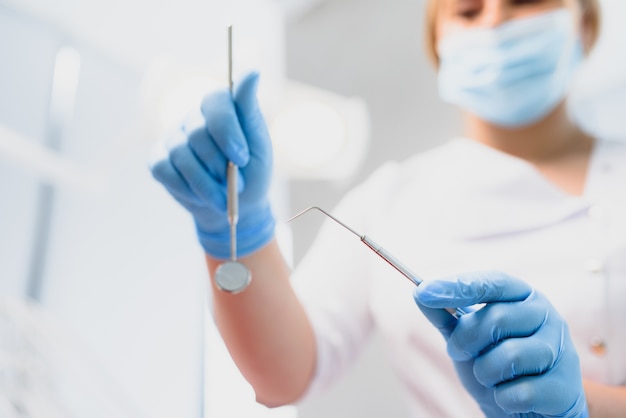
<point x="232" y="207"/>
<point x="231" y="171"/>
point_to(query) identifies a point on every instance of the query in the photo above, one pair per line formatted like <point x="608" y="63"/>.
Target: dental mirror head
<point x="232" y="277"/>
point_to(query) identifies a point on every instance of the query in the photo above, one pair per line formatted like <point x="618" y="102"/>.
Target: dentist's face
<point x="455" y="15"/>
<point x="508" y="63"/>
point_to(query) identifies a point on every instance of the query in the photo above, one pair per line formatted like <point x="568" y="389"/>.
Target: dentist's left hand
<point x="514" y="355"/>
<point x="231" y="128"/>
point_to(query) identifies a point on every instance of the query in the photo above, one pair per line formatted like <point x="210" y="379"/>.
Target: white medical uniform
<point x="467" y="207"/>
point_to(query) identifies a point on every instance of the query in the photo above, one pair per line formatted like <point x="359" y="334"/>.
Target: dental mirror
<point x="232" y="276"/>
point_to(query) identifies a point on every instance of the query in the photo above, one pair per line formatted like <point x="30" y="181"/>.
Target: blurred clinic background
<point x="103" y="292"/>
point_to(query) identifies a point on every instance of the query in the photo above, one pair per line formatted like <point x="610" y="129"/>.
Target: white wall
<point x="123" y="272"/>
<point x="24" y="83"/>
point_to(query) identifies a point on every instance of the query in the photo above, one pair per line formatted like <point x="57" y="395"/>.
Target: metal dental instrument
<point x="232" y="276"/>
<point x="382" y="253"/>
<point x="231" y="175"/>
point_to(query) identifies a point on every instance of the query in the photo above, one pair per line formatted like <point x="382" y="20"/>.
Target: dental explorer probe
<point x="232" y="276"/>
<point x="382" y="253"/>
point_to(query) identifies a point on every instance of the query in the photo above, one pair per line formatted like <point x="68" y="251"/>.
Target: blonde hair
<point x="590" y="11"/>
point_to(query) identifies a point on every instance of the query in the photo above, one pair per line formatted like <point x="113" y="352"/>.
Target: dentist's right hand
<point x="231" y="128"/>
<point x="515" y="355"/>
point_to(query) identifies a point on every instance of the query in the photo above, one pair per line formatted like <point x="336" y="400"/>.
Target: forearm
<point x="266" y="329"/>
<point x="605" y="401"/>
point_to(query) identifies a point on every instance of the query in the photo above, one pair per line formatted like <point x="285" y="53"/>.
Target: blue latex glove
<point x="515" y="355"/>
<point x="194" y="169"/>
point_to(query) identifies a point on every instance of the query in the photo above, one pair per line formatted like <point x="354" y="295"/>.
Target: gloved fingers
<point x="193" y="132"/>
<point x="441" y="319"/>
<point x="197" y="177"/>
<point x="207" y="152"/>
<point x="223" y="125"/>
<point x="517" y="357"/>
<point x="165" y="173"/>
<point x="538" y="374"/>
<point x="251" y="118"/>
<point x="495" y="322"/>
<point x="519" y="396"/>
<point x="542" y="395"/>
<point x="535" y="344"/>
<point x="472" y="288"/>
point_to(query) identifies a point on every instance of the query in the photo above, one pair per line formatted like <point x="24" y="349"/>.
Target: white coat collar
<point x="491" y="193"/>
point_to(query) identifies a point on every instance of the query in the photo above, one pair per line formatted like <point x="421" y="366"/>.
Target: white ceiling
<point x="190" y="31"/>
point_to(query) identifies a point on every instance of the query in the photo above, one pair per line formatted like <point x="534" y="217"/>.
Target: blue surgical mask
<point x="512" y="75"/>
